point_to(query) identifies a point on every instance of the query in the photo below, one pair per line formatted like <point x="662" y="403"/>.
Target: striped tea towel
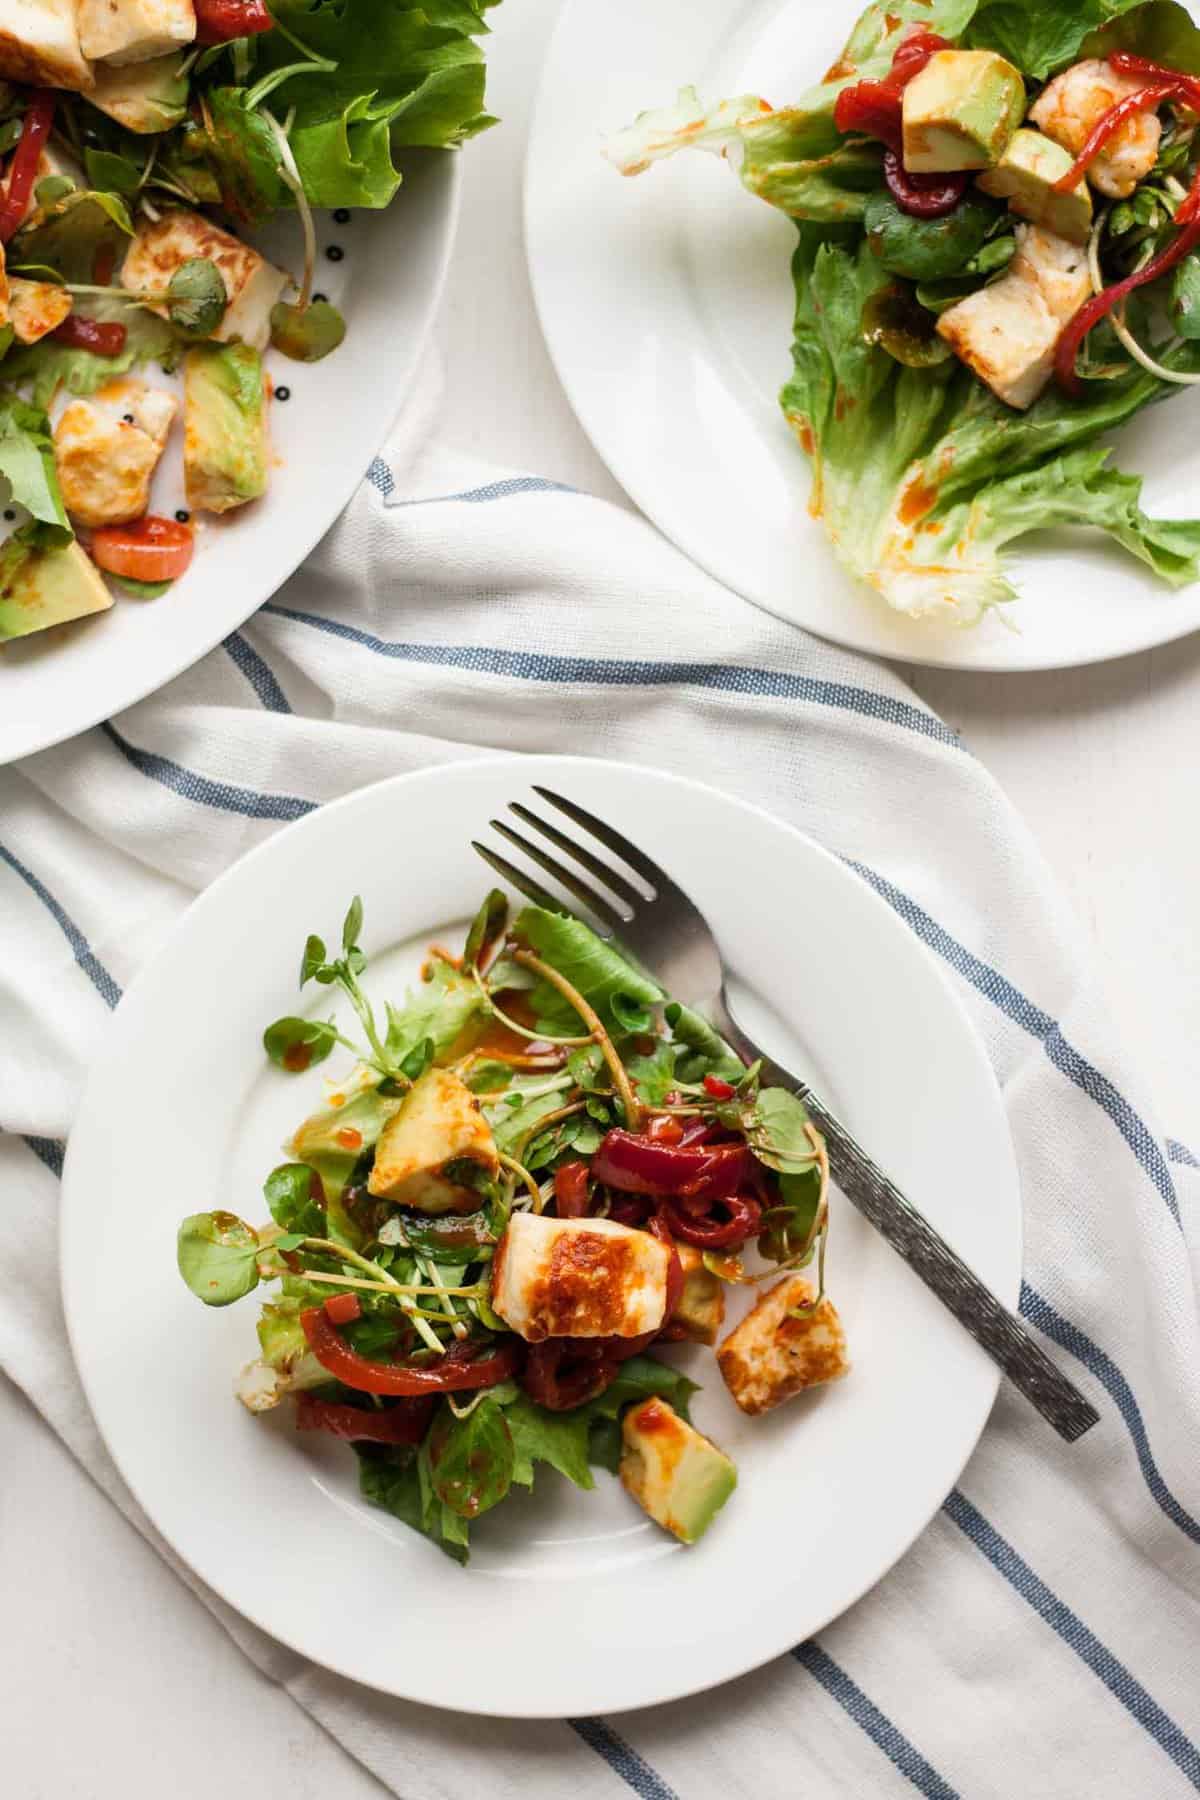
<point x="1042" y="1639"/>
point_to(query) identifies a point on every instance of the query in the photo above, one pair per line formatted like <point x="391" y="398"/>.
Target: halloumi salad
<point x="538" y="1172"/>
<point x="997" y="205"/>
<point x="141" y="145"/>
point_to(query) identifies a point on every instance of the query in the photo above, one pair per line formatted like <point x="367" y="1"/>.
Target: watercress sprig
<point x="296" y="1044"/>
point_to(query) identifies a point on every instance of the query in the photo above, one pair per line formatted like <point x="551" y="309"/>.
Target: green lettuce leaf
<point x="446" y="1008"/>
<point x="1161" y="30"/>
<point x="27" y="462"/>
<point x="620" y="993"/>
<point x="1041" y="37"/>
<point x="922" y="476"/>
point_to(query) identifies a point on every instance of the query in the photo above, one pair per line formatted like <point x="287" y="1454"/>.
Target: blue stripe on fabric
<point x="221" y="795"/>
<point x="91" y="965"/>
<point x="623" y="1759"/>
<point x="1010" y="1001"/>
<point x="1179" y="1153"/>
<point x="730" y="678"/>
<point x="495" y="490"/>
<point x="1039" y="1312"/>
<point x="50" y="1151"/>
<point x="381" y="477"/>
<point x="903" y="1755"/>
<point x="1123" y="1685"/>
<point x="260" y="677"/>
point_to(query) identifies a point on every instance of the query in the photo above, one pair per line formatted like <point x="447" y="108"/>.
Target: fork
<point x="669" y="936"/>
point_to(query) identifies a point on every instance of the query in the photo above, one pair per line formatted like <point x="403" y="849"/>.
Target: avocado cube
<point x="1025" y="177"/>
<point x="144" y="97"/>
<point x="225" y="427"/>
<point x="701" y="1309"/>
<point x="42" y="586"/>
<point x="437" y="1140"/>
<point x="960" y="111"/>
<point x="673" y="1472"/>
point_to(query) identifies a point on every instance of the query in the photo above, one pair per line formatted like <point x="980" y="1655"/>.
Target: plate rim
<point x="672" y="521"/>
<point x="304" y="539"/>
<point x="73" y="1217"/>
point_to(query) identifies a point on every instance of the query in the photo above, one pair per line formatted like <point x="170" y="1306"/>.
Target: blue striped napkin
<point x="1042" y="1639"/>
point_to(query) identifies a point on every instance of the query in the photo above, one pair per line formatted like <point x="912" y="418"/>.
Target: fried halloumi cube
<point x="107" y="448"/>
<point x="133" y="31"/>
<point x="39" y="45"/>
<point x="253" y="285"/>
<point x="578" y="1278"/>
<point x="434" y="1143"/>
<point x="1008" y="332"/>
<point x="36" y="308"/>
<point x="775" y="1353"/>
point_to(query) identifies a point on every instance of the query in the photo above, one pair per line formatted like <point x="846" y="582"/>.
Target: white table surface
<point x="115" y="1680"/>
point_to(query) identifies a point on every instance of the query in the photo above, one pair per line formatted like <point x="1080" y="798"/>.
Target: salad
<point x="997" y="205"/>
<point x="538" y="1169"/>
<point x="140" y="144"/>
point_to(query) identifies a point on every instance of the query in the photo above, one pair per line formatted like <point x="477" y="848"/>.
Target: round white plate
<point x="58" y="682"/>
<point x="573" y="1602"/>
<point x="667" y="305"/>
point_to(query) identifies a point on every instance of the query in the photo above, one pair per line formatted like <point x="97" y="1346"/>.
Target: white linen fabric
<point x="1042" y="1638"/>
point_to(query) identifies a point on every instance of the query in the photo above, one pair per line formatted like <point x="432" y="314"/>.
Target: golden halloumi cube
<point x="39" y="45"/>
<point x="774" y="1353"/>
<point x="1008" y="332"/>
<point x="36" y="308"/>
<point x="578" y="1278"/>
<point x="1070" y="106"/>
<point x="107" y="448"/>
<point x="253" y="285"/>
<point x="439" y="1124"/>
<point x="133" y="31"/>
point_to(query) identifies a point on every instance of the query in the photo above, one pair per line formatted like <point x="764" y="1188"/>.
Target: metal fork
<point x="669" y="936"/>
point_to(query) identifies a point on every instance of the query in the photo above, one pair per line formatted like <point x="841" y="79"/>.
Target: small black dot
<point x="335" y="253"/>
<point x="9" y="514"/>
<point x="283" y="393"/>
<point x="342" y="216"/>
<point x="128" y="419"/>
<point x="320" y="299"/>
<point x="183" y="515"/>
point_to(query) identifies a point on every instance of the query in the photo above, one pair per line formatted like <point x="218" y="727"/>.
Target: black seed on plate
<point x="342" y="216"/>
<point x="320" y="299"/>
<point x="283" y="393"/>
<point x="183" y="515"/>
<point x="335" y="253"/>
<point x="128" y="419"/>
<point x="9" y="514"/>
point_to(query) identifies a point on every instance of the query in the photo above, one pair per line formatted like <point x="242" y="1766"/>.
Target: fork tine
<point x="524" y="884"/>
<point x="582" y="856"/>
<point x="588" y="896"/>
<point x="612" y="840"/>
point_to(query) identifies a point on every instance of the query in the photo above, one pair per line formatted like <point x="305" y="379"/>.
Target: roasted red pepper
<point x="664" y="1128"/>
<point x="459" y="1369"/>
<point x="718" y="1089"/>
<point x="637" y="1165"/>
<point x="922" y="196"/>
<point x="343" y="1309"/>
<point x="565" y="1372"/>
<point x="571" y="1190"/>
<point x="219" y="21"/>
<point x="101" y="337"/>
<point x="703" y="1226"/>
<point x="22" y="173"/>
<point x="405" y="1422"/>
<point x="875" y="108"/>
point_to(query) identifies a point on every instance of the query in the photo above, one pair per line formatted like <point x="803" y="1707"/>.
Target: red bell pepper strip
<point x="342" y="1309"/>
<point x="706" y="1231"/>
<point x="718" y="1089"/>
<point x="1100" y="305"/>
<point x="101" y="337"/>
<point x="637" y="1165"/>
<point x="219" y="21"/>
<point x="22" y="174"/>
<point x="455" y="1372"/>
<point x="404" y="1423"/>
<point x="571" y="1190"/>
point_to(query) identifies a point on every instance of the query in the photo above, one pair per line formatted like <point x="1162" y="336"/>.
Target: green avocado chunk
<point x="960" y="111"/>
<point x="225" y="427"/>
<point x="701" y="1307"/>
<point x="673" y="1472"/>
<point x="144" y="96"/>
<point x="1025" y="177"/>
<point x="42" y="586"/>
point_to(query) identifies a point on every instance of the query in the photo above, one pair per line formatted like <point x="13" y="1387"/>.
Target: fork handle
<point x="1001" y="1333"/>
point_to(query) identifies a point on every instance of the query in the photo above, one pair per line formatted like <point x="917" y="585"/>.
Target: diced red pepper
<point x="22" y="174"/>
<point x="571" y="1190"/>
<point x="459" y="1369"/>
<point x="404" y="1422"/>
<point x="343" y="1309"/>
<point x="219" y="21"/>
<point x="718" y="1089"/>
<point x="664" y="1128"/>
<point x="101" y="336"/>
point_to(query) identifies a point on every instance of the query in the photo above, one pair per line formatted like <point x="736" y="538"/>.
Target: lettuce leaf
<point x="27" y="463"/>
<point x="1041" y="37"/>
<point x="922" y="476"/>
<point x="620" y="993"/>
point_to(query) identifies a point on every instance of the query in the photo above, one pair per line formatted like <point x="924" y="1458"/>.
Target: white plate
<point x="573" y="1602"/>
<point x="58" y="682"/>
<point x="667" y="305"/>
